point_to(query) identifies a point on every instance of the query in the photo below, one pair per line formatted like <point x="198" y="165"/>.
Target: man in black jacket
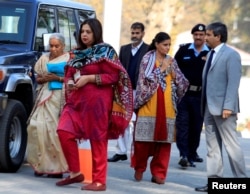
<point x="130" y="56"/>
<point x="191" y="59"/>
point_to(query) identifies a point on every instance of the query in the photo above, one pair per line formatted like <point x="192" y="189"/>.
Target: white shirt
<point x="216" y="50"/>
<point x="136" y="48"/>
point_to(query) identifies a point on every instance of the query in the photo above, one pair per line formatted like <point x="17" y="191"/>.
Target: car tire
<point x="13" y="136"/>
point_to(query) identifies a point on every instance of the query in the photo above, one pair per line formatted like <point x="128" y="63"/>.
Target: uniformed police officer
<point x="191" y="59"/>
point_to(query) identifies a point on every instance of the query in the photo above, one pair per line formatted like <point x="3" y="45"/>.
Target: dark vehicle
<point x="23" y="26"/>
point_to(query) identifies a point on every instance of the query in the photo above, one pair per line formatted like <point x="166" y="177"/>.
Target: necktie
<point x="209" y="62"/>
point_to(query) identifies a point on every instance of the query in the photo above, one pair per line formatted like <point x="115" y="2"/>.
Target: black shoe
<point x="57" y="176"/>
<point x="118" y="157"/>
<point x="183" y="162"/>
<point x="191" y="163"/>
<point x="38" y="174"/>
<point x="198" y="159"/>
<point x="202" y="189"/>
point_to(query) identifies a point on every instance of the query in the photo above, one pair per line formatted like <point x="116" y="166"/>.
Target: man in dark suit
<point x="220" y="104"/>
<point x="191" y="59"/>
<point x="130" y="56"/>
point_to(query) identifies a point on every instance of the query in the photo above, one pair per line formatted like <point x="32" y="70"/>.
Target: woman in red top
<point x="98" y="103"/>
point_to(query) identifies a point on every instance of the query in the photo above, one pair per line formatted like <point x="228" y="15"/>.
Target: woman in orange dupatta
<point x="160" y="86"/>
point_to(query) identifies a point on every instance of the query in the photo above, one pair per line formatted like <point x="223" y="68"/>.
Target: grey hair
<point x="218" y="28"/>
<point x="58" y="36"/>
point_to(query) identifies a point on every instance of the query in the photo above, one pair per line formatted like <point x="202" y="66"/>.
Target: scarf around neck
<point x="122" y="109"/>
<point x="79" y="58"/>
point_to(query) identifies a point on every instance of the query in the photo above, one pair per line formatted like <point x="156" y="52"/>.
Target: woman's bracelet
<point x="98" y="80"/>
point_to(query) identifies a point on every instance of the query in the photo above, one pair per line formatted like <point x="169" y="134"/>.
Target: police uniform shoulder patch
<point x="184" y="44"/>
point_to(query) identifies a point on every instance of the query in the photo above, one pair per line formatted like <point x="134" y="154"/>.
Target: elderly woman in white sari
<point x="44" y="151"/>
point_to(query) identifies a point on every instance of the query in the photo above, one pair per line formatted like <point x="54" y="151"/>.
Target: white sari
<point x="44" y="151"/>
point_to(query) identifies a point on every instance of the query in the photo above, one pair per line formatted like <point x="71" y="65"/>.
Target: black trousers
<point x="189" y="126"/>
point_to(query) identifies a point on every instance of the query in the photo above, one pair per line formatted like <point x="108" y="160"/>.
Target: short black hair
<point x="138" y="25"/>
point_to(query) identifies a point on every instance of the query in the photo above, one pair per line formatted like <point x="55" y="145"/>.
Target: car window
<point x="83" y="15"/>
<point x="67" y="26"/>
<point x="13" y="20"/>
<point x="45" y="24"/>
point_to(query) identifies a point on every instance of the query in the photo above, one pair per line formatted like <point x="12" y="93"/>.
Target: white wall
<point x="112" y="22"/>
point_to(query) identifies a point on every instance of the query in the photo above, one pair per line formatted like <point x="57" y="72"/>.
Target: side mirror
<point x="46" y="37"/>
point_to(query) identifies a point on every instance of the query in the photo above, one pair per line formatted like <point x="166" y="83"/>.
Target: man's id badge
<point x="77" y="75"/>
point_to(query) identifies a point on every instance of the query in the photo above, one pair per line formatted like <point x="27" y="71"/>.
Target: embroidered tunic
<point x="102" y="110"/>
<point x="153" y="84"/>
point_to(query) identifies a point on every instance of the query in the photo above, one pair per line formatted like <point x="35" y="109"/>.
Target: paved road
<point x="120" y="177"/>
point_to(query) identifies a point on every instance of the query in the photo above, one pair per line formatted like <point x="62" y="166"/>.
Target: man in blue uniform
<point x="191" y="59"/>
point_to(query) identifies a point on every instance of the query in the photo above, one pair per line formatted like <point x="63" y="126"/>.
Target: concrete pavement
<point x="120" y="177"/>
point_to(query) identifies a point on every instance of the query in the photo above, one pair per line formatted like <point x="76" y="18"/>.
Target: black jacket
<point x="191" y="65"/>
<point x="125" y="53"/>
